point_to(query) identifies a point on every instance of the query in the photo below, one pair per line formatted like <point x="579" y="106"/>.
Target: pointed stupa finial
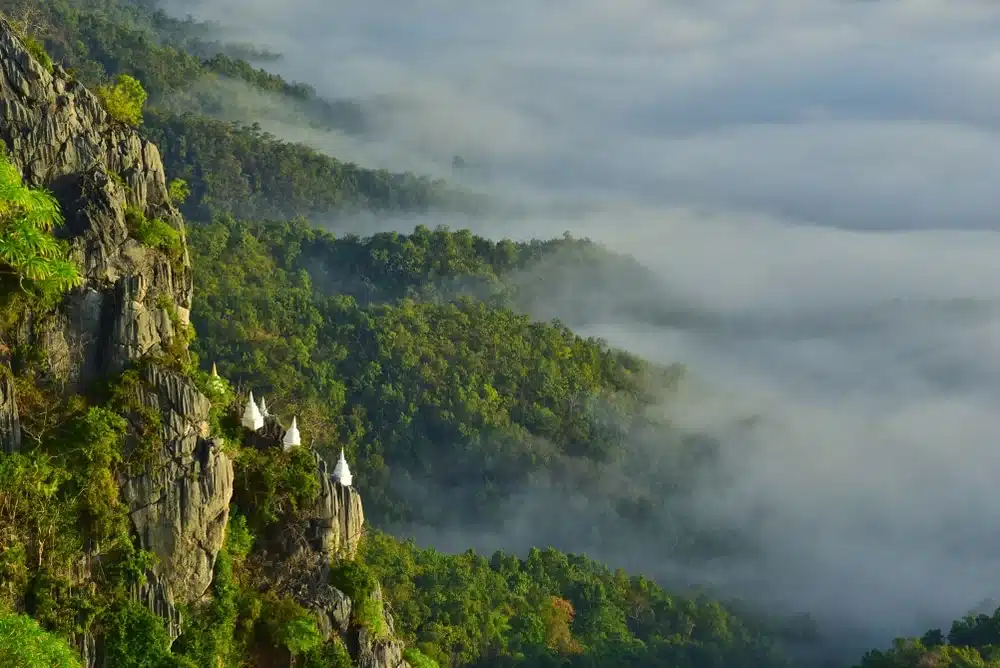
<point x="342" y="472"/>
<point x="292" y="437"/>
<point x="252" y="419"/>
<point x="215" y="372"/>
<point x="263" y="408"/>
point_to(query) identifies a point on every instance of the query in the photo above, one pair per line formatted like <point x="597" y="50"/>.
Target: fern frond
<point x="27" y="246"/>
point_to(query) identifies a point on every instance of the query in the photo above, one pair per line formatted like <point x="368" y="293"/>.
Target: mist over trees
<point x="444" y="362"/>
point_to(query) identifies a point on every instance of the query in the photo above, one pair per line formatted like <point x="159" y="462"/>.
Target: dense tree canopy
<point x="552" y="609"/>
<point x="230" y="166"/>
<point x="23" y="643"/>
<point x="430" y="386"/>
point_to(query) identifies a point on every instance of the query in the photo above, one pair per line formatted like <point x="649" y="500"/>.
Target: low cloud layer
<point x="815" y="178"/>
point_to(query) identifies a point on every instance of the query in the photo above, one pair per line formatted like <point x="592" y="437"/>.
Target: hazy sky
<point x="819" y="177"/>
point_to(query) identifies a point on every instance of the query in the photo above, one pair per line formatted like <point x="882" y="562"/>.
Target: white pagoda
<point x="252" y="418"/>
<point x="342" y="472"/>
<point x="263" y="408"/>
<point x="292" y="436"/>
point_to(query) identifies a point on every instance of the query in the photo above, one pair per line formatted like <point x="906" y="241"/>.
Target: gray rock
<point x="384" y="651"/>
<point x="10" y="425"/>
<point x="376" y="652"/>
<point x="60" y="137"/>
<point x="179" y="505"/>
<point x="338" y="523"/>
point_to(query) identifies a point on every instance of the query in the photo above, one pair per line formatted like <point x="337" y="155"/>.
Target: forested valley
<point x="431" y="358"/>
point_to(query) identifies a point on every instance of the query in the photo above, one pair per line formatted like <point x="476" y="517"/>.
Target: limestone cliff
<point x="60" y="137"/>
<point x="300" y="554"/>
<point x="10" y="428"/>
<point x="132" y="300"/>
<point x="180" y="504"/>
<point x="127" y="311"/>
<point x="338" y="518"/>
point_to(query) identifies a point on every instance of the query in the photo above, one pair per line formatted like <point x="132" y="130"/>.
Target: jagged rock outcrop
<point x="132" y="299"/>
<point x="128" y="309"/>
<point x="61" y="138"/>
<point x="337" y="525"/>
<point x="379" y="651"/>
<point x="304" y="556"/>
<point x="10" y="426"/>
<point x="180" y="504"/>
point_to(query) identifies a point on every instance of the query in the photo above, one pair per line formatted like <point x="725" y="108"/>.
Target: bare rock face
<point x="336" y="528"/>
<point x="10" y="426"/>
<point x="131" y="300"/>
<point x="180" y="504"/>
<point x="59" y="135"/>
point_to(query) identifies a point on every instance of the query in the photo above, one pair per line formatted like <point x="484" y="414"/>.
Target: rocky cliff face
<point x="300" y="567"/>
<point x="10" y="427"/>
<point x="339" y="519"/>
<point x="60" y="137"/>
<point x="127" y="310"/>
<point x="180" y="504"/>
<point x="128" y="307"/>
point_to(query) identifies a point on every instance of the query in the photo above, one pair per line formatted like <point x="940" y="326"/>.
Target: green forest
<point x="414" y="353"/>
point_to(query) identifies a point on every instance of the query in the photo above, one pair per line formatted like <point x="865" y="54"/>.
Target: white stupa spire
<point x="342" y="472"/>
<point x="252" y="419"/>
<point x="263" y="408"/>
<point x="292" y="437"/>
<point x="215" y="372"/>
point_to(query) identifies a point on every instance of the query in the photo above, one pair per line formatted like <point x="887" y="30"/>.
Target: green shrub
<point x="272" y="485"/>
<point x="103" y="433"/>
<point x="38" y="52"/>
<point x="289" y="625"/>
<point x="124" y="99"/>
<point x="331" y="655"/>
<point x="136" y="638"/>
<point x="239" y="539"/>
<point x="28" y="249"/>
<point x="24" y="644"/>
<point x="418" y="659"/>
<point x="359" y="583"/>
<point x="178" y="190"/>
<point x="154" y="233"/>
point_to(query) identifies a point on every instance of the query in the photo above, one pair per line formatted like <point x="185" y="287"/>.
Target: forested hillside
<point x="363" y="339"/>
<point x="420" y="355"/>
<point x="229" y="166"/>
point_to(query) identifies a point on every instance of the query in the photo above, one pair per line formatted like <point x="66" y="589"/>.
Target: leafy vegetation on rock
<point x="124" y="99"/>
<point x="154" y="233"/>
<point x="29" y="252"/>
<point x="23" y="643"/>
